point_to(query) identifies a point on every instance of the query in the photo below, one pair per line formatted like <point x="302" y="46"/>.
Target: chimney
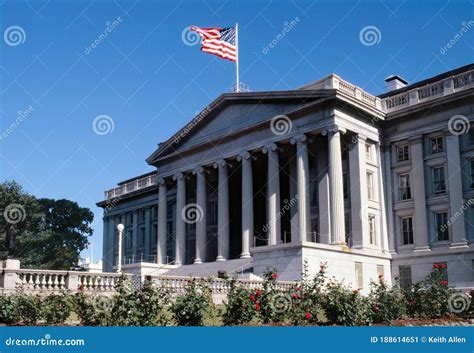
<point x="394" y="82"/>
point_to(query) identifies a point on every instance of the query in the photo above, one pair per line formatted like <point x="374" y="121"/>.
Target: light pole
<point x="120" y="228"/>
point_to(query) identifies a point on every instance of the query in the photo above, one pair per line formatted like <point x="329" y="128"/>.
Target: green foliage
<point x="190" y="308"/>
<point x="92" y="310"/>
<point x="239" y="309"/>
<point x="56" y="308"/>
<point x="28" y="307"/>
<point x="386" y="303"/>
<point x="50" y="234"/>
<point x="270" y="303"/>
<point x="343" y="306"/>
<point x="429" y="298"/>
<point x="8" y="310"/>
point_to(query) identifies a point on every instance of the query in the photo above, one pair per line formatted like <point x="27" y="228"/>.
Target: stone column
<point x="201" y="219"/>
<point x="273" y="194"/>
<point x="147" y="235"/>
<point x="247" y="203"/>
<point x="336" y="186"/>
<point x="302" y="178"/>
<point x="120" y="229"/>
<point x="180" y="244"/>
<point x="388" y="190"/>
<point x="106" y="243"/>
<point x="323" y="195"/>
<point x="162" y="220"/>
<point x="384" y="237"/>
<point x="222" y="211"/>
<point x="417" y="178"/>
<point x="455" y="188"/>
<point x="134" y="236"/>
<point x="358" y="190"/>
<point x="111" y="245"/>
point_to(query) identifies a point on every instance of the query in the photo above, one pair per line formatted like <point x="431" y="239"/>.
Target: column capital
<point x="178" y="176"/>
<point x="220" y="163"/>
<point x="243" y="155"/>
<point x="301" y="138"/>
<point x="161" y="182"/>
<point x="198" y="170"/>
<point x="271" y="147"/>
<point x="361" y="137"/>
<point x="334" y="129"/>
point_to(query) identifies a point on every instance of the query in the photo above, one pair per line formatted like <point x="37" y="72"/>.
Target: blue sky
<point x="150" y="82"/>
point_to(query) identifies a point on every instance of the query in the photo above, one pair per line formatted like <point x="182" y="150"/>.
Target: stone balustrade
<point x="131" y="186"/>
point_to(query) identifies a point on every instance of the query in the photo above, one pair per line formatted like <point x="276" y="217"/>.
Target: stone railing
<point x="431" y="91"/>
<point x="131" y="186"/>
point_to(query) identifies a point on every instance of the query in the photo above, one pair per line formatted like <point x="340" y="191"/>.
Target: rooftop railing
<point x="134" y="185"/>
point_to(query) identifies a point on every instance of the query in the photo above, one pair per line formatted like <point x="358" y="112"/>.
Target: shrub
<point x="92" y="310"/>
<point x="239" y="308"/>
<point x="190" y="308"/>
<point x="8" y="310"/>
<point x="56" y="308"/>
<point x="151" y="303"/>
<point x="28" y="307"/>
<point x="386" y="304"/>
<point x="343" y="306"/>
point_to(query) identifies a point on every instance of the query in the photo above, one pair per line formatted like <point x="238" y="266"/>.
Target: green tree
<point x="41" y="233"/>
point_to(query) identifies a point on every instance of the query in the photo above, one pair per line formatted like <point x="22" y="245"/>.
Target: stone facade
<point x="325" y="173"/>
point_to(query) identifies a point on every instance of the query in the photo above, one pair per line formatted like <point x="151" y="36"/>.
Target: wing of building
<point x="372" y="185"/>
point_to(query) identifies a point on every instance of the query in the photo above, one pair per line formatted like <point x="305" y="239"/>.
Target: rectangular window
<point x="154" y="235"/>
<point x="213" y="213"/>
<point x="141" y="237"/>
<point x="403" y="153"/>
<point x="368" y="152"/>
<point x="372" y="230"/>
<point x="442" y="232"/>
<point x="471" y="162"/>
<point x="439" y="183"/>
<point x="359" y="275"/>
<point x="129" y="240"/>
<point x="370" y="186"/>
<point x="407" y="230"/>
<point x="405" y="276"/>
<point x="404" y="187"/>
<point x="380" y="271"/>
<point x="436" y="144"/>
<point x="130" y="219"/>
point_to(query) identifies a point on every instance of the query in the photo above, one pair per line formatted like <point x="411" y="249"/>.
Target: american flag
<point x="218" y="41"/>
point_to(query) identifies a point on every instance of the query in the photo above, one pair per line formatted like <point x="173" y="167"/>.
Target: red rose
<point x="257" y="293"/>
<point x="252" y="298"/>
<point x="257" y="306"/>
<point x="295" y="296"/>
<point x="443" y="265"/>
<point x="443" y="283"/>
<point x="274" y="275"/>
<point x="435" y="265"/>
<point x="298" y="288"/>
<point x="307" y="316"/>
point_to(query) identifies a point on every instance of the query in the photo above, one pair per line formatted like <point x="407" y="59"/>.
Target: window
<point x="380" y="271"/>
<point x="403" y="153"/>
<point x="370" y="186"/>
<point x="442" y="232"/>
<point x="154" y="212"/>
<point x="130" y="219"/>
<point x="359" y="275"/>
<point x="141" y="215"/>
<point x="439" y="184"/>
<point x="129" y="240"/>
<point x="368" y="152"/>
<point x="154" y="235"/>
<point x="372" y="230"/>
<point x="405" y="276"/>
<point x="141" y="239"/>
<point x="347" y="228"/>
<point x="404" y="186"/>
<point x="212" y="213"/>
<point x="345" y="184"/>
<point x="471" y="162"/>
<point x="436" y="144"/>
<point x="407" y="230"/>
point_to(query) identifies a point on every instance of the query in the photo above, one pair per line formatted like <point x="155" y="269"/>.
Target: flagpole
<point x="237" y="88"/>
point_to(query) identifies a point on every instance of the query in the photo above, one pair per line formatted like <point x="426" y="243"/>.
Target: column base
<point x="220" y="258"/>
<point x="458" y="245"/>
<point x="245" y="255"/>
<point x="422" y="248"/>
<point x="197" y="261"/>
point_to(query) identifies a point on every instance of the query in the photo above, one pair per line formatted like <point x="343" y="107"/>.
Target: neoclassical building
<point x="372" y="185"/>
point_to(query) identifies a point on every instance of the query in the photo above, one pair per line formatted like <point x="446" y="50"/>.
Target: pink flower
<point x="443" y="283"/>
<point x="252" y="298"/>
<point x="436" y="265"/>
<point x="295" y="296"/>
<point x="298" y="288"/>
<point x="274" y="275"/>
<point x="257" y="306"/>
<point x="257" y="293"/>
<point x="443" y="265"/>
<point x="307" y="316"/>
